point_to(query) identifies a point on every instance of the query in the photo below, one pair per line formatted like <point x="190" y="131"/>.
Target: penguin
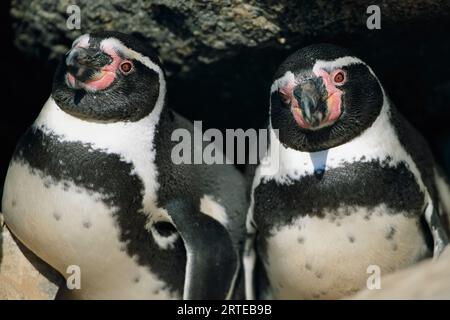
<point x="92" y="186"/>
<point x="348" y="188"/>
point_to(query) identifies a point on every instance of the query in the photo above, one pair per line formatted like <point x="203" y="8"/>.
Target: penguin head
<point x="109" y="76"/>
<point x="323" y="96"/>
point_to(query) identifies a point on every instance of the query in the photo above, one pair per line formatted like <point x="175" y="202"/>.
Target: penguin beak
<point x="313" y="104"/>
<point x="90" y="69"/>
<point x="310" y="99"/>
<point x="86" y="64"/>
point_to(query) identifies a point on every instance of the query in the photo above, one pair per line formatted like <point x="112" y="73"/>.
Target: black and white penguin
<point x="347" y="184"/>
<point x="92" y="184"/>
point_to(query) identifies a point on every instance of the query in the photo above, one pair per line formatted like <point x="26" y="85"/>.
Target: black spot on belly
<point x="66" y="186"/>
<point x="57" y="216"/>
<point x="87" y="224"/>
<point x="391" y="232"/>
<point x="13" y="203"/>
<point x="351" y="238"/>
<point x="93" y="170"/>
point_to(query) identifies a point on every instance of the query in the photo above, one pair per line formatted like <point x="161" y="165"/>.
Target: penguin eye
<point x="126" y="67"/>
<point x="339" y="77"/>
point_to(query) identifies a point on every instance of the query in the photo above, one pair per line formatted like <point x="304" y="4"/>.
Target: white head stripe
<point x="82" y="40"/>
<point x="119" y="46"/>
<point x="320" y="64"/>
<point x="282" y="81"/>
<point x="338" y="63"/>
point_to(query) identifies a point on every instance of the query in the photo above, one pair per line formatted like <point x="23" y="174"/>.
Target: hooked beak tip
<point x="309" y="98"/>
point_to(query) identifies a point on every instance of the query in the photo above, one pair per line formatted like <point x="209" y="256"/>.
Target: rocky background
<point x="220" y="55"/>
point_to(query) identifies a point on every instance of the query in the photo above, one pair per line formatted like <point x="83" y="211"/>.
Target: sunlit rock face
<point x="23" y="275"/>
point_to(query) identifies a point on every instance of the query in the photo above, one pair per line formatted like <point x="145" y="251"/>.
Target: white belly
<point x="67" y="225"/>
<point x="317" y="258"/>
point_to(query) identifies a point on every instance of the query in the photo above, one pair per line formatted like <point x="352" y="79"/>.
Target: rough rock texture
<point x="23" y="275"/>
<point x="427" y="280"/>
<point x="190" y="33"/>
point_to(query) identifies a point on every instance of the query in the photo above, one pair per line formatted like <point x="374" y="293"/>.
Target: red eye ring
<point x="339" y="77"/>
<point x="126" y="67"/>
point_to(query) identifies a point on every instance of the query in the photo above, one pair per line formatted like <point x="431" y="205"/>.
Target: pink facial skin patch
<point x="71" y="80"/>
<point x="108" y="73"/>
<point x="104" y="77"/>
<point x="287" y="96"/>
<point x="334" y="94"/>
<point x="333" y="100"/>
<point x="297" y="112"/>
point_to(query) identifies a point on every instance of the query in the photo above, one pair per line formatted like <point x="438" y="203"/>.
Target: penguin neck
<point x="54" y="120"/>
<point x="373" y="143"/>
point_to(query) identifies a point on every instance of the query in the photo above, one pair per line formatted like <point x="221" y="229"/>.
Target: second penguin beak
<point x="311" y="96"/>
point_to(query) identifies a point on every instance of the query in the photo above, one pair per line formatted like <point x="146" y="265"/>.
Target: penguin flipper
<point x="212" y="261"/>
<point x="437" y="229"/>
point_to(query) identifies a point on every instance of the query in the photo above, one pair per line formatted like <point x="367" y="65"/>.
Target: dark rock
<point x="191" y="33"/>
<point x="185" y="33"/>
